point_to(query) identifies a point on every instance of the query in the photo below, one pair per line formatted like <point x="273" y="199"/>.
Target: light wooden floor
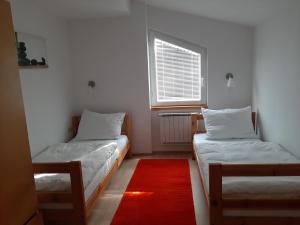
<point x="108" y="203"/>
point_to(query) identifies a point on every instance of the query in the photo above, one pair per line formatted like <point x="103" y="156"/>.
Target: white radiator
<point x="175" y="128"/>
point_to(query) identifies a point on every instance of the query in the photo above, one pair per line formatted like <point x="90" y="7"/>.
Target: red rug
<point x="159" y="193"/>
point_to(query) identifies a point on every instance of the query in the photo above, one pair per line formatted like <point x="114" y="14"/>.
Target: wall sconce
<point x="91" y="88"/>
<point x="91" y="84"/>
<point x="230" y="81"/>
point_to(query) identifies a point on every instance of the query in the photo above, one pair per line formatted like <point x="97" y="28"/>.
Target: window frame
<point x="152" y="35"/>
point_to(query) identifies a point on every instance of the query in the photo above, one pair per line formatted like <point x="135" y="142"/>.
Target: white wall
<point x="276" y="93"/>
<point x="113" y="53"/>
<point x="46" y="92"/>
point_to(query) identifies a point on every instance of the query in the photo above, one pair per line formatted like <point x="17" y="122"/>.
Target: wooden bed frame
<point x="79" y="209"/>
<point x="217" y="204"/>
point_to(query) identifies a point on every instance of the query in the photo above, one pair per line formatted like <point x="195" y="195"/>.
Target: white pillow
<point x="94" y="126"/>
<point x="228" y="123"/>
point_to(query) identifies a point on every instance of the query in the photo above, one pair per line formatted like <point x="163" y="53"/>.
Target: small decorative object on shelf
<point x="31" y="51"/>
<point x="34" y="62"/>
<point x="22" y="56"/>
<point x="43" y="62"/>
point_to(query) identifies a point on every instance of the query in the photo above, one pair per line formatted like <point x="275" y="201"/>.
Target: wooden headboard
<point x="197" y="117"/>
<point x="126" y="127"/>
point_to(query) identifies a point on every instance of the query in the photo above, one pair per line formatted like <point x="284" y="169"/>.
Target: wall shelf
<point x="34" y="67"/>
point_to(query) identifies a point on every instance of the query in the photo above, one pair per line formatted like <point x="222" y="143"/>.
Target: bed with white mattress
<point x="246" y="180"/>
<point x="247" y="151"/>
<point x="96" y="157"/>
<point x="69" y="177"/>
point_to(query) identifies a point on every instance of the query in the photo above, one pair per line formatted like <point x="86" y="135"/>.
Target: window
<point x="177" y="70"/>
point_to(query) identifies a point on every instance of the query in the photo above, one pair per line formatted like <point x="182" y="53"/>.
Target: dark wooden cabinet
<point x="17" y="192"/>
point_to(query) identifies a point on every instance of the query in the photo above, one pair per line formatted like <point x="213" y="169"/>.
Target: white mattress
<point x="121" y="144"/>
<point x="96" y="162"/>
<point x="247" y="151"/>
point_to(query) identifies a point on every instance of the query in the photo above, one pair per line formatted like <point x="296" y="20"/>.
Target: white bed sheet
<point x="121" y="143"/>
<point x="247" y="151"/>
<point x="92" y="182"/>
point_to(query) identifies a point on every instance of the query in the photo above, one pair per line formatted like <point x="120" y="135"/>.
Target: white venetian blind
<point x="178" y="73"/>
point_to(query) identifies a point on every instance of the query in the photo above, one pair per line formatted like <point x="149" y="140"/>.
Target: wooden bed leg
<point x="193" y="155"/>
<point x="129" y="153"/>
<point x="215" y="194"/>
<point x="78" y="191"/>
<point x="194" y="131"/>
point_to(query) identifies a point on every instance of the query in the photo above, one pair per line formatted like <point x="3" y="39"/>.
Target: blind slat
<point x="178" y="73"/>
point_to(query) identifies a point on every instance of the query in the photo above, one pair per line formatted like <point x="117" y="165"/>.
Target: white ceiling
<point x="249" y="12"/>
<point x="86" y="9"/>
